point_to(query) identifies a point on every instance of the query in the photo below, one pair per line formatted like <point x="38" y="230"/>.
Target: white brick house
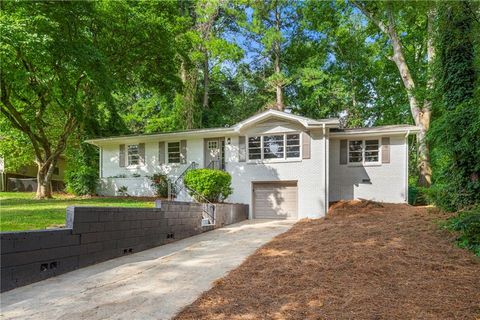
<point x="282" y="165"/>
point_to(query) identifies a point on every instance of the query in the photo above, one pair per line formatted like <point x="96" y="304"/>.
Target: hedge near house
<point x="210" y="184"/>
<point x="81" y="176"/>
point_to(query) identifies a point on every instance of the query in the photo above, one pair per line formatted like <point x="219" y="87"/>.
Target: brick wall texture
<point x="96" y="234"/>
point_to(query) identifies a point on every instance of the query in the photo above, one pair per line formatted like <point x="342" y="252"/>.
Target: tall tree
<point x="49" y="65"/>
<point x="384" y="15"/>
<point x="270" y="26"/>
<point x="456" y="131"/>
<point x="61" y="62"/>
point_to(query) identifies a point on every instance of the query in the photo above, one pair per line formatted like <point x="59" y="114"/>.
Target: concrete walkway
<point x="152" y="284"/>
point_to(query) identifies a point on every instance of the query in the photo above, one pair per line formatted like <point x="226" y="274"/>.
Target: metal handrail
<point x="192" y="165"/>
<point x="209" y="204"/>
<point x="212" y="163"/>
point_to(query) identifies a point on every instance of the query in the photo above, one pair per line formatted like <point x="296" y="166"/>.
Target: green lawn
<point x="20" y="211"/>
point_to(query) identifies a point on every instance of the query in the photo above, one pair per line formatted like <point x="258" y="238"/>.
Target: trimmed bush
<point x="213" y="185"/>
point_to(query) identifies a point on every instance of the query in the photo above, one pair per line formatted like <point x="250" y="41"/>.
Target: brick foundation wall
<point x="96" y="234"/>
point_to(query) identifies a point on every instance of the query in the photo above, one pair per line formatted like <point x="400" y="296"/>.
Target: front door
<point x="214" y="150"/>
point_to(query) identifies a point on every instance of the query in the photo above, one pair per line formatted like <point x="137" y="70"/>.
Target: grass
<point x="20" y="211"/>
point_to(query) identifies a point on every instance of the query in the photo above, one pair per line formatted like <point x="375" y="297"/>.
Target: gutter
<point x="372" y="132"/>
<point x="156" y="136"/>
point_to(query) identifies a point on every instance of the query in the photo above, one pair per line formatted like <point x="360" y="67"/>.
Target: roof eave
<point x="404" y="131"/>
<point x="153" y="137"/>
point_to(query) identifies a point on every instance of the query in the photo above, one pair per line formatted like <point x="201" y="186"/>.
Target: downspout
<point x="325" y="167"/>
<point x="100" y="162"/>
<point x="406" y="166"/>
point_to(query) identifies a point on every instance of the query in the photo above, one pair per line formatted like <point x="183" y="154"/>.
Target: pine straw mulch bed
<point x="364" y="261"/>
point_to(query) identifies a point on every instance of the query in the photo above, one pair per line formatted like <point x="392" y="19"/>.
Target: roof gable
<point x="305" y="122"/>
<point x="267" y="115"/>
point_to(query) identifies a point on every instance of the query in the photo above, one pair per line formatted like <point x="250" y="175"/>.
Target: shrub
<point x="160" y="183"/>
<point x="123" y="191"/>
<point x="81" y="175"/>
<point x="467" y="224"/>
<point x="81" y="180"/>
<point x="213" y="185"/>
<point x="453" y="195"/>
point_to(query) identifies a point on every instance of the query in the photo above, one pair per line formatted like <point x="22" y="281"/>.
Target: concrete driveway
<point x="152" y="284"/>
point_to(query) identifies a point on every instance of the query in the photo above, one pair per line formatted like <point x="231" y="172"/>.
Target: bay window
<point x="274" y="147"/>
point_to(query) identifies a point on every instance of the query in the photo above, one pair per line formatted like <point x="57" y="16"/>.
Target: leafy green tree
<point x="416" y="72"/>
<point x="268" y="27"/>
<point x="62" y="61"/>
<point x="49" y="66"/>
<point x="456" y="132"/>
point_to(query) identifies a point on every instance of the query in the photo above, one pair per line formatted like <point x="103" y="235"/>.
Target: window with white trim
<point x="364" y="151"/>
<point x="274" y="147"/>
<point x="293" y="145"/>
<point x="173" y="149"/>
<point x="372" y="148"/>
<point x="133" y="155"/>
<point x="254" y="148"/>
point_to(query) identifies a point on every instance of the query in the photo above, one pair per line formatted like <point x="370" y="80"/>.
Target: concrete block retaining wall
<point x="96" y="234"/>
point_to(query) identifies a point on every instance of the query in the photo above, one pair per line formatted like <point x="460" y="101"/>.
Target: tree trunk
<point x="277" y="65"/>
<point x="420" y="115"/>
<point x="423" y="152"/>
<point x="278" y="86"/>
<point x="424" y="167"/>
<point x="44" y="182"/>
<point x="206" y="82"/>
<point x="188" y="75"/>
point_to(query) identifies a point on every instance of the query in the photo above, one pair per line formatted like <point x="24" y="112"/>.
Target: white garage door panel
<point x="275" y="200"/>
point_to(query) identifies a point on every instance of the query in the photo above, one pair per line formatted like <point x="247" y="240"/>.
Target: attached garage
<point x="275" y="200"/>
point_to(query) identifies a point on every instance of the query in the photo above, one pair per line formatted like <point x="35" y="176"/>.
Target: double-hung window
<point x="174" y="152"/>
<point x="255" y="148"/>
<point x="364" y="151"/>
<point x="372" y="148"/>
<point x="133" y="155"/>
<point x="274" y="147"/>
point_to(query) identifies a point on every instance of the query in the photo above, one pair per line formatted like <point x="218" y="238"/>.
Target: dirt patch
<point x="364" y="261"/>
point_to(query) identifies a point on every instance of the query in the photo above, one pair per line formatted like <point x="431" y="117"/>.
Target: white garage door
<point x="275" y="200"/>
